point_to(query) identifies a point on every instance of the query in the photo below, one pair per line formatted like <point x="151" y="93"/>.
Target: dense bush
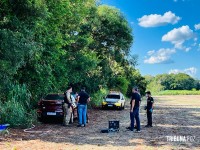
<point x="97" y="98"/>
<point x="16" y="110"/>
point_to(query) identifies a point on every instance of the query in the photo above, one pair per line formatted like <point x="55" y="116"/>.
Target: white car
<point x="114" y="100"/>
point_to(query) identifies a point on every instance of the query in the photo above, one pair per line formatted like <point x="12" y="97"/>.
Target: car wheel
<point x="103" y="108"/>
<point x="123" y="106"/>
<point x="41" y="119"/>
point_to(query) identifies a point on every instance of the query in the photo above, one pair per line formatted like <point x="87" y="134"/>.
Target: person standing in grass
<point x="149" y="109"/>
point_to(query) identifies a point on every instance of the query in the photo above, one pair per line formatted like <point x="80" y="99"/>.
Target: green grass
<point x="179" y="92"/>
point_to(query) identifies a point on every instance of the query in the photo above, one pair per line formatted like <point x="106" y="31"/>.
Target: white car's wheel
<point x="123" y="106"/>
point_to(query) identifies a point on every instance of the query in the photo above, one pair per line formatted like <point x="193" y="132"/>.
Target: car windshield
<point x="54" y="97"/>
<point x="113" y="96"/>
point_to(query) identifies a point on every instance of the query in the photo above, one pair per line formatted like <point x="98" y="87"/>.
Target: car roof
<point x="115" y="93"/>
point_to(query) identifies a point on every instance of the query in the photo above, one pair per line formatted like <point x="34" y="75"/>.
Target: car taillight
<point x="40" y="103"/>
<point x="39" y="111"/>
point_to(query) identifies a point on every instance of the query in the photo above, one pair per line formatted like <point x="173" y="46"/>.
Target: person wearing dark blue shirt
<point x="83" y="99"/>
<point x="134" y="110"/>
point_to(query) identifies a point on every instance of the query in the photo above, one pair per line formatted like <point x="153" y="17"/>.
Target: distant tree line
<point x="46" y="45"/>
<point x="178" y="81"/>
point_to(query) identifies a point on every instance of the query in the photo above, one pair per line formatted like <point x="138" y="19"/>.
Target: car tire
<point x="103" y="107"/>
<point x="123" y="107"/>
<point x="41" y="119"/>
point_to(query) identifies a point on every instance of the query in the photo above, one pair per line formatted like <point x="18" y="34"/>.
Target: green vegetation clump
<point x="173" y="84"/>
<point x="16" y="110"/>
<point x="97" y="98"/>
<point x="179" y="92"/>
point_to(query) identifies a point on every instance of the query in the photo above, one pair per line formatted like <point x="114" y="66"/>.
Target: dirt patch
<point x="173" y="116"/>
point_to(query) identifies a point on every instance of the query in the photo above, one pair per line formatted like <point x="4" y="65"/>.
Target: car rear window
<point x="54" y="97"/>
<point x="113" y="96"/>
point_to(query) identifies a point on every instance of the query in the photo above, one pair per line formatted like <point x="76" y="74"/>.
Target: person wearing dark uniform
<point x="134" y="110"/>
<point x="149" y="109"/>
<point x="67" y="107"/>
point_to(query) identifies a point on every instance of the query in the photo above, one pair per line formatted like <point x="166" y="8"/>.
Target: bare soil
<point x="172" y="116"/>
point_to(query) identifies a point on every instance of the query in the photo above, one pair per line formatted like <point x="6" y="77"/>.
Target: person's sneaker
<point x="150" y="126"/>
<point x="131" y="129"/>
<point x="80" y="125"/>
<point x="65" y="125"/>
<point x="128" y="128"/>
<point x="147" y="126"/>
<point x="83" y="125"/>
<point x="138" y="131"/>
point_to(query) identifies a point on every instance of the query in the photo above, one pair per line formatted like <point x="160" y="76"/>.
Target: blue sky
<point x="166" y="34"/>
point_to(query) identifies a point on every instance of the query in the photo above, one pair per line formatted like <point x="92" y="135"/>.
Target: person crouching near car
<point x="149" y="109"/>
<point x="83" y="99"/>
<point x="67" y="106"/>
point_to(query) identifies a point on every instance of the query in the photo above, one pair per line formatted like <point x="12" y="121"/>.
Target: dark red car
<point x="51" y="106"/>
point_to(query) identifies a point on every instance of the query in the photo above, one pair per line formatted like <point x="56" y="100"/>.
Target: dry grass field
<point x="173" y="116"/>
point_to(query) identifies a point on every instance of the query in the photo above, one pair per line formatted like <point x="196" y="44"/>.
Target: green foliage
<point x="16" y="111"/>
<point x="171" y="82"/>
<point x="179" y="92"/>
<point x="135" y="80"/>
<point x="97" y="98"/>
<point x="46" y="45"/>
<point x="120" y="83"/>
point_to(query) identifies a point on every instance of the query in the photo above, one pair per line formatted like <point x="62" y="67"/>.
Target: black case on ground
<point x="113" y="126"/>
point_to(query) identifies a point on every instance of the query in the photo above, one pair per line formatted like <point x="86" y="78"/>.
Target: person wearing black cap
<point x="149" y="109"/>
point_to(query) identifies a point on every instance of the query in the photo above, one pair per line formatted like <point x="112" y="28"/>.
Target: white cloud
<point x="151" y="52"/>
<point x="160" y="56"/>
<point x="197" y="26"/>
<point x="178" y="36"/>
<point x="155" y="20"/>
<point x="195" y="39"/>
<point x="187" y="49"/>
<point x="190" y="71"/>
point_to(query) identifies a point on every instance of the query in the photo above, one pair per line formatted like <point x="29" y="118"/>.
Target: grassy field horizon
<point x="176" y="92"/>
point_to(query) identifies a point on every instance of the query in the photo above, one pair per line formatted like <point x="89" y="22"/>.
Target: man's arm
<point x="78" y="97"/>
<point x="133" y="104"/>
<point x="69" y="98"/>
<point x="152" y="102"/>
<point x="88" y="100"/>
